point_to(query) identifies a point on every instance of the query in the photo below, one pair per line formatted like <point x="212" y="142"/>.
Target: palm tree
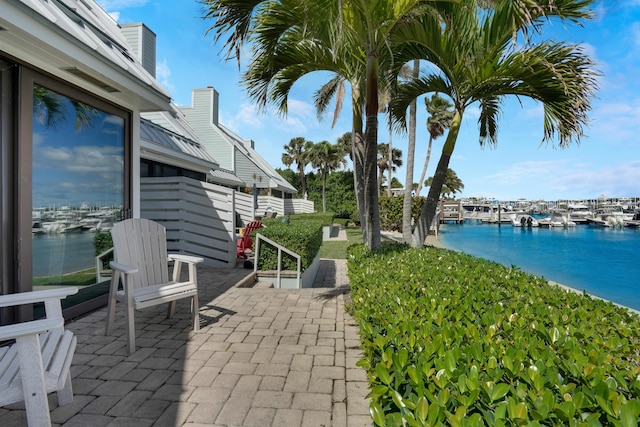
<point x="297" y="152"/>
<point x="476" y="60"/>
<point x="349" y="38"/>
<point x="384" y="164"/>
<point x="452" y="184"/>
<point x="49" y="109"/>
<point x="440" y="116"/>
<point x="326" y="157"/>
<point x="344" y="144"/>
<point x="411" y="152"/>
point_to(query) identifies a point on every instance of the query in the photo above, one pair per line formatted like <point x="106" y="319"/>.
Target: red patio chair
<point x="245" y="242"/>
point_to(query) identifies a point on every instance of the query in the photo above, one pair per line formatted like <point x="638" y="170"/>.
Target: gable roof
<point x="246" y="147"/>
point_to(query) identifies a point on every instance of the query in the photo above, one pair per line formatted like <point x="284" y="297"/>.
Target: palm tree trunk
<point x="324" y="192"/>
<point x="390" y="158"/>
<point x="372" y="213"/>
<point x="428" y="211"/>
<point x="424" y="168"/>
<point x="357" y="152"/>
<point x="303" y="180"/>
<point x="411" y="152"/>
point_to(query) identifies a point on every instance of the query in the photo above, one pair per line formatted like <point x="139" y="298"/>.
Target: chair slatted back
<point x="142" y="243"/>
<point x="252" y="226"/>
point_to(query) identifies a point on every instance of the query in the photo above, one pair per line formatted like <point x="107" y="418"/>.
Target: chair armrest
<point x="36" y="296"/>
<point x="30" y="328"/>
<point x="186" y="258"/>
<point x="123" y="268"/>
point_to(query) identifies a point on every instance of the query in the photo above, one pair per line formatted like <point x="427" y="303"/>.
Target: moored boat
<point x="524" y="221"/>
<point x="558" y="218"/>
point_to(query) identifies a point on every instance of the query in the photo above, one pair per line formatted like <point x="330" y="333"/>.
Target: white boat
<point x="579" y="213"/>
<point x="558" y="218"/>
<point x="610" y="217"/>
<point x="524" y="221"/>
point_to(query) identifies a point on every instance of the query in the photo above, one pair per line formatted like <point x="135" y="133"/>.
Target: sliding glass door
<point x="74" y="153"/>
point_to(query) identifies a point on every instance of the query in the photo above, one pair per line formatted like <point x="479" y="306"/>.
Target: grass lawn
<point x="337" y="249"/>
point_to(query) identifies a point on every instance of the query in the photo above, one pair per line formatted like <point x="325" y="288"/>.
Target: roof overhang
<point x="59" y="40"/>
<point x="224" y="177"/>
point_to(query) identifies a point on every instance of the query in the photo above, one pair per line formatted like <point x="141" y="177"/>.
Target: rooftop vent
<point x="89" y="78"/>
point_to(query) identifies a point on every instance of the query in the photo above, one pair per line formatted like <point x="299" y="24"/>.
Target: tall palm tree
<point x="297" y="151"/>
<point x="439" y="120"/>
<point x="292" y="38"/>
<point x="388" y="160"/>
<point x="326" y="157"/>
<point x="476" y="60"/>
<point x="411" y="152"/>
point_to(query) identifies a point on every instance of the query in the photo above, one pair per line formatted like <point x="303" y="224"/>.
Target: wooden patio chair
<point x="245" y="242"/>
<point x="36" y="357"/>
<point x="142" y="263"/>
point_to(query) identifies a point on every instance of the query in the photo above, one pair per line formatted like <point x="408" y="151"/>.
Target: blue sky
<point x="607" y="162"/>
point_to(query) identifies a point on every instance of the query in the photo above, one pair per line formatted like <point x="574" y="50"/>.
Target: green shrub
<point x="326" y="218"/>
<point x="449" y="339"/>
<point x="303" y="237"/>
<point x="391" y="211"/>
<point x="102" y="241"/>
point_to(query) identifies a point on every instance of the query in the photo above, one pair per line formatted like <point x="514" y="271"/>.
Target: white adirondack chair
<point x="38" y="361"/>
<point x="141" y="261"/>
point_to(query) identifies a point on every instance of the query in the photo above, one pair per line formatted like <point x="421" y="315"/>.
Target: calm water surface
<point x="601" y="261"/>
<point x="58" y="254"/>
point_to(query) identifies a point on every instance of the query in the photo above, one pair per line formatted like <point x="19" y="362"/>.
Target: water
<point x="57" y="254"/>
<point x="604" y="262"/>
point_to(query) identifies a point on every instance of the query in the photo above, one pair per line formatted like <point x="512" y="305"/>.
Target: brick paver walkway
<point x="263" y="357"/>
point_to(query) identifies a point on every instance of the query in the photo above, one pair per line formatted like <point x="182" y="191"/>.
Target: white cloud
<point x="617" y="123"/>
<point x="292" y="125"/>
<point x="163" y="74"/>
<point x="564" y="179"/>
<point x="301" y="109"/>
<point x="248" y="115"/>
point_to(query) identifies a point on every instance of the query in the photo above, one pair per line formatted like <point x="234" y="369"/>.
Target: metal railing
<point x="99" y="270"/>
<point x="259" y="238"/>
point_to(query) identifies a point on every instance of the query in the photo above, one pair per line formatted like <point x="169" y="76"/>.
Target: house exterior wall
<point x="247" y="171"/>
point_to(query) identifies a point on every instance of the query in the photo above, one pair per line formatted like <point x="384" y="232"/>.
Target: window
<point x="74" y="152"/>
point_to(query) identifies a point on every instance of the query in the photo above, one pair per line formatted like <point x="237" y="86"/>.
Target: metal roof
<point x="151" y="132"/>
<point x="225" y="177"/>
<point x="78" y="41"/>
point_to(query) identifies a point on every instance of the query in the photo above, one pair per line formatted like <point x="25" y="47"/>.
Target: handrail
<point x="99" y="263"/>
<point x="281" y="248"/>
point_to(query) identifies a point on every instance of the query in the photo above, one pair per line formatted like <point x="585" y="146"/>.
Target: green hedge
<point x="303" y="237"/>
<point x="391" y="211"/>
<point x="326" y="218"/>
<point x="449" y="339"/>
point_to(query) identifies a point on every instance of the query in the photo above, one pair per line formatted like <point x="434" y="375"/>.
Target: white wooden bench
<point x="38" y="356"/>
<point x="141" y="262"/>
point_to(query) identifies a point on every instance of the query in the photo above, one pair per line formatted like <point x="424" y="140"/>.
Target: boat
<point x="611" y="216"/>
<point x="634" y="222"/>
<point x="558" y="218"/>
<point x="524" y="221"/>
<point x="579" y="213"/>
